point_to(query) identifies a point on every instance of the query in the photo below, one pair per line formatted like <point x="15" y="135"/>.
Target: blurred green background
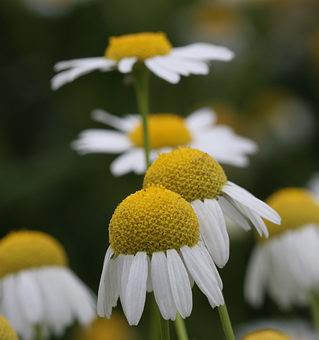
<point x="269" y="92"/>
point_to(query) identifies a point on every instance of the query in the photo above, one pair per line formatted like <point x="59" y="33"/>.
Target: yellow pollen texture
<point x="29" y="249"/>
<point x="139" y="45"/>
<point x="267" y="334"/>
<point x="297" y="207"/>
<point x="191" y="173"/>
<point x="6" y="331"/>
<point x="151" y="220"/>
<point x="164" y="130"/>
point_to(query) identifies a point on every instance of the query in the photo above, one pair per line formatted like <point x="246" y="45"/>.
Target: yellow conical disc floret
<point x="151" y="220"/>
<point x="6" y="331"/>
<point x="139" y="45"/>
<point x="267" y="334"/>
<point x="164" y="130"/>
<point x="29" y="249"/>
<point x="191" y="173"/>
<point x="297" y="208"/>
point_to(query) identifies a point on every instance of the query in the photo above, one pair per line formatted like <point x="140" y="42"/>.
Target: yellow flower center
<point x="29" y="249"/>
<point x="297" y="207"/>
<point x="267" y="334"/>
<point x="151" y="220"/>
<point x="191" y="173"/>
<point x="6" y="331"/>
<point x="139" y="45"/>
<point x="164" y="130"/>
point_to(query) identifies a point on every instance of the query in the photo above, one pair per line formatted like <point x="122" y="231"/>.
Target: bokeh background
<point x="269" y="92"/>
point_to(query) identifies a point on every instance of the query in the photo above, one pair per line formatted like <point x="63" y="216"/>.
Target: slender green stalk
<point x="38" y="333"/>
<point x="226" y="323"/>
<point x="314" y="302"/>
<point x="180" y="328"/>
<point x="141" y="81"/>
<point x="165" y="335"/>
<point x="155" y="321"/>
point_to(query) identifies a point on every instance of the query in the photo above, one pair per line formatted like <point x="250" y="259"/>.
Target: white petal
<point x="133" y="160"/>
<point x="124" y="124"/>
<point x="101" y="141"/>
<point x="203" y="51"/>
<point x="202" y="274"/>
<point x="161" y="286"/>
<point x="247" y="199"/>
<point x="126" y="64"/>
<point x="127" y="261"/>
<point x="104" y="303"/>
<point x="75" y="63"/>
<point x="156" y="66"/>
<point x="136" y="289"/>
<point x="213" y="230"/>
<point x="180" y="285"/>
<point x="201" y="119"/>
<point x="257" y="221"/>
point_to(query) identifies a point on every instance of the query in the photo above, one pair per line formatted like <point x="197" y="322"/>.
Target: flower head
<point x="166" y="131"/>
<point x="154" y="50"/>
<point x="155" y="246"/>
<point x="37" y="288"/>
<point x="6" y="331"/>
<point x="286" y="265"/>
<point x="200" y="180"/>
<point x="267" y="334"/>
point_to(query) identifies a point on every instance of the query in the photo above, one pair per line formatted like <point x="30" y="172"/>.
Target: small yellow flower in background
<point x="286" y="265"/>
<point x="166" y="131"/>
<point x="155" y="246"/>
<point x="37" y="289"/>
<point x="154" y="50"/>
<point x="267" y="334"/>
<point x="201" y="181"/>
<point x="115" y="328"/>
<point x="6" y="331"/>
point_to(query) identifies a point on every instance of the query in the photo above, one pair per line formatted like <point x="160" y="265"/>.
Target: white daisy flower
<point x="6" y="330"/>
<point x="153" y="50"/>
<point x="199" y="179"/>
<point x="286" y="265"/>
<point x="155" y="246"/>
<point x="166" y="131"/>
<point x="37" y="290"/>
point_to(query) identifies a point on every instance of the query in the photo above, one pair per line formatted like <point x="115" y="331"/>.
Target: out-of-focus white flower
<point x="199" y="179"/>
<point x="37" y="290"/>
<point x="286" y="265"/>
<point x="313" y="185"/>
<point x="153" y="50"/>
<point x="167" y="131"/>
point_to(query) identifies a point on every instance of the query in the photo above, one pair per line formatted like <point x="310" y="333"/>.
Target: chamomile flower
<point x="267" y="334"/>
<point x="167" y="131"/>
<point x="154" y="50"/>
<point x="36" y="287"/>
<point x="6" y="330"/>
<point x="286" y="265"/>
<point x="200" y="180"/>
<point x="155" y="246"/>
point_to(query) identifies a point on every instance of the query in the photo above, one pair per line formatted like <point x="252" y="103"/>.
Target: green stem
<point x="38" y="333"/>
<point x="314" y="302"/>
<point x="180" y="328"/>
<point x="226" y="323"/>
<point x="165" y="335"/>
<point x="142" y="95"/>
<point x="155" y="321"/>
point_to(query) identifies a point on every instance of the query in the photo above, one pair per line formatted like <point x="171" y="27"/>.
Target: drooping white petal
<point x="203" y="51"/>
<point x="161" y="286"/>
<point x="78" y="69"/>
<point x="256" y="220"/>
<point x="133" y="160"/>
<point x="156" y="66"/>
<point x="202" y="274"/>
<point x="180" y="285"/>
<point x="135" y="294"/>
<point x="101" y="141"/>
<point x="127" y="261"/>
<point x="213" y="230"/>
<point x="251" y="202"/>
<point x="124" y="124"/>
<point x="104" y="303"/>
<point x="201" y="119"/>
<point x="125" y="65"/>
